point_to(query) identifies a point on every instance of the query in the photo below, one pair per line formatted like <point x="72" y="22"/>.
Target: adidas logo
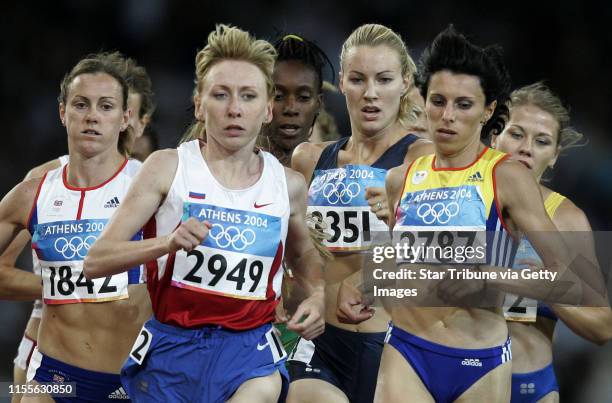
<point x="120" y="393"/>
<point x="471" y="362"/>
<point x="112" y="203"/>
<point x="477" y="177"/>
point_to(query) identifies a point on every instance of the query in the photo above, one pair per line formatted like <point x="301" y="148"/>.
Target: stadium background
<point x="566" y="43"/>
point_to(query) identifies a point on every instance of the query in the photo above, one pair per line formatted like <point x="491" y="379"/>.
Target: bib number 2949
<point x="217" y="266"/>
<point x="231" y="274"/>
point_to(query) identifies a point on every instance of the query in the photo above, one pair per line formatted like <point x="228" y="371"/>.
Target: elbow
<point x="601" y="335"/>
<point x="600" y="339"/>
<point x="604" y="336"/>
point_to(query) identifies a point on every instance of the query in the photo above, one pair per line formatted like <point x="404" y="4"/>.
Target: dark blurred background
<point x="567" y="44"/>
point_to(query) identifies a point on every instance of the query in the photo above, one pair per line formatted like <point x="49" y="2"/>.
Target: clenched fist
<point x="188" y="235"/>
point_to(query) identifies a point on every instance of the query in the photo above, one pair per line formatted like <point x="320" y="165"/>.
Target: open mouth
<point x="370" y="109"/>
<point x="289" y="129"/>
<point x="371" y="112"/>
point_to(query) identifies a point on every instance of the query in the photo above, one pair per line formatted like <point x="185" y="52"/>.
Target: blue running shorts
<point x="532" y="386"/>
<point x="173" y="364"/>
<point x="446" y="372"/>
<point x="90" y="386"/>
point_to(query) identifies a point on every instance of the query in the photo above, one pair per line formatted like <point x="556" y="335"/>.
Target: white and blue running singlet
<point x="336" y="196"/>
<point x="65" y="221"/>
<point x="452" y="214"/>
<point x="233" y="278"/>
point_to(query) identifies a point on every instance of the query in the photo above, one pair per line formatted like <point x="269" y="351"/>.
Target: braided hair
<point x="294" y="47"/>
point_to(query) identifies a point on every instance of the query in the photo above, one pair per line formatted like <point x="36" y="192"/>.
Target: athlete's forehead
<point x="530" y="118"/>
<point x="293" y="73"/>
<point x="235" y="74"/>
<point x="94" y="86"/>
<point x="455" y="85"/>
<point x="371" y="59"/>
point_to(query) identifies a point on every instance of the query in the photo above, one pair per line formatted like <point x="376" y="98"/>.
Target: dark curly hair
<point x="452" y="51"/>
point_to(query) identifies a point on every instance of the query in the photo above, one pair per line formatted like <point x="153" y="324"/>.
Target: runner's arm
<point x="306" y="261"/>
<point x="114" y="252"/>
<point x="577" y="277"/>
<point x="17" y="284"/>
<point x="591" y="323"/>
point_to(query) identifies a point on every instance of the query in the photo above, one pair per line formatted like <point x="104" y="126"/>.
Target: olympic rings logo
<point x="231" y="236"/>
<point x="319" y="182"/>
<point x="339" y="192"/>
<point x="74" y="247"/>
<point x="438" y="212"/>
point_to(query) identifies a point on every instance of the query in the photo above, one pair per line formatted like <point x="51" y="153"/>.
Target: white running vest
<point x="65" y="222"/>
<point x="248" y="226"/>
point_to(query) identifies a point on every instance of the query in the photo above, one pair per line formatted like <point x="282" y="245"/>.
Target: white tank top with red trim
<point x="233" y="277"/>
<point x="65" y="222"/>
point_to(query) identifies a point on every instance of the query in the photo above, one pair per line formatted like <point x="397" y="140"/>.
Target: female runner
<point x="298" y="101"/>
<point x="141" y="106"/>
<point x="64" y="212"/>
<point x="221" y="215"/>
<point x="298" y="98"/>
<point x="346" y="193"/>
<point x="537" y="132"/>
<point x="447" y="354"/>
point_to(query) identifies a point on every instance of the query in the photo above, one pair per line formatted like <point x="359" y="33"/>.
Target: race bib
<point x="442" y="226"/>
<point x="141" y="345"/>
<point x="61" y="247"/>
<point x="517" y="308"/>
<point x="458" y="208"/>
<point x="236" y="257"/>
<point x="336" y="198"/>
